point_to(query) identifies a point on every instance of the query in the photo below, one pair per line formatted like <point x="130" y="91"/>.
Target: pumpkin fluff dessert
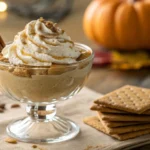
<point x="43" y="64"/>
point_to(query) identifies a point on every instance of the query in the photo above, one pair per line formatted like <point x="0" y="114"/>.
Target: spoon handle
<point x="2" y="43"/>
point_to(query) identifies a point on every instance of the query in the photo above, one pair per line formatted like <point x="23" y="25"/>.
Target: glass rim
<point x="57" y="65"/>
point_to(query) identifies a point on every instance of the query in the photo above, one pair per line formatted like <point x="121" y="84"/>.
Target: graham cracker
<point x="128" y="98"/>
<point x="103" y="108"/>
<point x="124" y="117"/>
<point x="131" y="135"/>
<point x="114" y="124"/>
<point x="95" y="123"/>
<point x="125" y="129"/>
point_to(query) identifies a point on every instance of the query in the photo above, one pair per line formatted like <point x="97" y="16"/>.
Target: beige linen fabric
<point x="75" y="109"/>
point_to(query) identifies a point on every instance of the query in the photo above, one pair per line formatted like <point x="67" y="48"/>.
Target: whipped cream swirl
<point x="41" y="43"/>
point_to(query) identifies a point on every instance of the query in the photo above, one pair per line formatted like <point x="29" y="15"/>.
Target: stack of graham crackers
<point x="123" y="114"/>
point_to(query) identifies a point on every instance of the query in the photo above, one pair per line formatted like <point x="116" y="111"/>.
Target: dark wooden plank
<point x="105" y="80"/>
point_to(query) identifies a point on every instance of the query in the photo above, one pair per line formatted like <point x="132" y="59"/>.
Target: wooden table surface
<point x="101" y="79"/>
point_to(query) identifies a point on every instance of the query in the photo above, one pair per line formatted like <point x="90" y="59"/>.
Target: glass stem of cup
<point x="42" y="113"/>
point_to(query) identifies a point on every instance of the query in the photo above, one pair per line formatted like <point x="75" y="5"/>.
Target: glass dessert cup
<point x="41" y="88"/>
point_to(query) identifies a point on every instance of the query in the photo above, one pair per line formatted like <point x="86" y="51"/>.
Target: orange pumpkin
<point x="120" y="24"/>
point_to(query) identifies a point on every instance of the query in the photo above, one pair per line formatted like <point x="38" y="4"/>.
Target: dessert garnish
<point x="11" y="140"/>
<point x="42" y="43"/>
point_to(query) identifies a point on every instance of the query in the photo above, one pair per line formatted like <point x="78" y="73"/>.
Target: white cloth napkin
<point x="75" y="109"/>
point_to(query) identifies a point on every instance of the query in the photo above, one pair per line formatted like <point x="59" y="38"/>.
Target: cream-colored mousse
<point x="43" y="64"/>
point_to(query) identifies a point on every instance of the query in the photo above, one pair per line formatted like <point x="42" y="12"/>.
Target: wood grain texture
<point x="105" y="80"/>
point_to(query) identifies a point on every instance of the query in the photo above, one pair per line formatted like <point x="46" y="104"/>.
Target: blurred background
<point x="12" y="21"/>
<point x="15" y="14"/>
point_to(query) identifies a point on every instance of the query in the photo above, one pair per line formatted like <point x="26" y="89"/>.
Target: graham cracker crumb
<point x="40" y="148"/>
<point x="1" y="110"/>
<point x="15" y="106"/>
<point x="94" y="147"/>
<point x="49" y="24"/>
<point x="11" y="140"/>
<point x="3" y="59"/>
<point x="34" y="146"/>
<point x="23" y="72"/>
<point x="37" y="147"/>
<point x="41" y="19"/>
<point x="2" y="106"/>
<point x="89" y="147"/>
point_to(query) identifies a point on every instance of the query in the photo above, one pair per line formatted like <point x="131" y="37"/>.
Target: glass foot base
<point x="57" y="129"/>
